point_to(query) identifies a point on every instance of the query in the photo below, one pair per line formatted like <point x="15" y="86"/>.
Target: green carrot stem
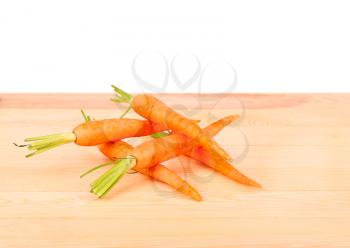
<point x="121" y="95"/>
<point x="96" y="168"/>
<point x="125" y="112"/>
<point x="43" y="143"/>
<point x="102" y="185"/>
<point x="86" y="117"/>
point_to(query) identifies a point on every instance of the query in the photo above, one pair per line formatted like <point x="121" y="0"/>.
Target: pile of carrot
<point x="173" y="133"/>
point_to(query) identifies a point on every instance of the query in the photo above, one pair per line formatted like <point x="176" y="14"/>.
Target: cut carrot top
<point x="104" y="183"/>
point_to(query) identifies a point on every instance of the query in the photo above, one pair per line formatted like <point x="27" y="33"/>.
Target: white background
<point x="84" y="46"/>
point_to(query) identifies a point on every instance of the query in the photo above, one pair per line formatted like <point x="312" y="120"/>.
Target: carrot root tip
<point x="25" y="145"/>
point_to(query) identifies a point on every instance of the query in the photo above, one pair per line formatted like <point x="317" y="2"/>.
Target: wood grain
<point x="296" y="145"/>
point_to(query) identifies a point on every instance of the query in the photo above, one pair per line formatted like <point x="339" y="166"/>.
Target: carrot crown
<point x="102" y="185"/>
<point x="43" y="143"/>
<point x="161" y="134"/>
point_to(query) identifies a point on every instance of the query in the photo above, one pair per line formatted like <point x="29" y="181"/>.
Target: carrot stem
<point x="87" y="118"/>
<point x="43" y="143"/>
<point x="96" y="168"/>
<point x="107" y="180"/>
<point x="125" y="112"/>
<point x="121" y="95"/>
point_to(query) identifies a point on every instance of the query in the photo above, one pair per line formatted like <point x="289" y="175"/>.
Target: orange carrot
<point x="98" y="132"/>
<point x="222" y="166"/>
<point x="215" y="127"/>
<point x="146" y="155"/>
<point x="159" y="172"/>
<point x="94" y="133"/>
<point x="156" y="111"/>
<point x="155" y="151"/>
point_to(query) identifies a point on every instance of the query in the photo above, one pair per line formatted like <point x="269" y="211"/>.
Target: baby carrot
<point x="94" y="133"/>
<point x="156" y="111"/>
<point x="220" y="165"/>
<point x="146" y="155"/>
<point x="120" y="149"/>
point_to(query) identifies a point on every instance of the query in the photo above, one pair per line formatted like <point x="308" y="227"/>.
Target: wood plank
<point x="66" y="178"/>
<point x="296" y="145"/>
<point x="239" y="204"/>
<point x="176" y="232"/>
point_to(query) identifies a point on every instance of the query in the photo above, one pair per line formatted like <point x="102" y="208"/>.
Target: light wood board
<point x="297" y="146"/>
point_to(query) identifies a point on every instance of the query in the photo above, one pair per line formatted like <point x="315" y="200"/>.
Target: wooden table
<point x="296" y="145"/>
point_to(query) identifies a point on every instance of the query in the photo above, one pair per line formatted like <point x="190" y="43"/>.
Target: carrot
<point x="215" y="127"/>
<point x="156" y="111"/>
<point x="99" y="132"/>
<point x="146" y="155"/>
<point x="159" y="172"/>
<point x="94" y="133"/>
<point x="155" y="151"/>
<point x="222" y="166"/>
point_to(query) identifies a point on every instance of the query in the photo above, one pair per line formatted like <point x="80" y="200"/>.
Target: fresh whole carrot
<point x="156" y="111"/>
<point x="94" y="133"/>
<point x="120" y="149"/>
<point x="154" y="152"/>
<point x="144" y="156"/>
<point x="98" y="132"/>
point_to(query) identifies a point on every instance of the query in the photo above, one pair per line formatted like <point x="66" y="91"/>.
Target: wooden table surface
<point x="296" y="145"/>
